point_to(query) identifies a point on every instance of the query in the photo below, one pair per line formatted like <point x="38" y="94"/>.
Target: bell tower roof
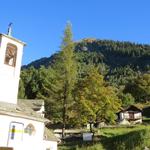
<point x="12" y="38"/>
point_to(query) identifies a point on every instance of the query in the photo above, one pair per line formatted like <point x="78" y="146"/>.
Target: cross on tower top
<point x="9" y="32"/>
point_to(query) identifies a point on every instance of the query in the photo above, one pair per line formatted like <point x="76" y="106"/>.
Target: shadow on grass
<point x="76" y="142"/>
<point x="135" y="140"/>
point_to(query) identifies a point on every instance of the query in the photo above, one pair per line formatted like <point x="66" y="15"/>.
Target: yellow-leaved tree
<point x="95" y="100"/>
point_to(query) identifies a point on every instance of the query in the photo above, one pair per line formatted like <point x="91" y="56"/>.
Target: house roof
<point x="131" y="108"/>
<point x="32" y="103"/>
<point x="22" y="110"/>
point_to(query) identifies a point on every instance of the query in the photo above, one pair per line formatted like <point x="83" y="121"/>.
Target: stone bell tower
<point x="11" y="50"/>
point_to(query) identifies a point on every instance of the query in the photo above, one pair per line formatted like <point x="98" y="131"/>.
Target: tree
<point x="127" y="99"/>
<point x="68" y="71"/>
<point x="95" y="99"/>
<point x="140" y="88"/>
<point x="32" y="78"/>
<point x="56" y="83"/>
<point x="21" y="91"/>
<point x="28" y="86"/>
<point x="51" y="88"/>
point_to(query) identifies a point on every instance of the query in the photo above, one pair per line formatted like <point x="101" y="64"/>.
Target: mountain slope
<point x="112" y="53"/>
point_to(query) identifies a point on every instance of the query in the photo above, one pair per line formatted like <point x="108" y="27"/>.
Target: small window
<point x="10" y="55"/>
<point x="30" y="129"/>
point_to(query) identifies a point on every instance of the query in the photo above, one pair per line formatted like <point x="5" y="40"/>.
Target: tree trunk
<point x="64" y="112"/>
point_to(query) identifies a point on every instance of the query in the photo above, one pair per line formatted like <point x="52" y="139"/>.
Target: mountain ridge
<point x="112" y="53"/>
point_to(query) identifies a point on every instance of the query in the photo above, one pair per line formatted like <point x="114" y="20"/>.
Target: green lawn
<point x="120" y="138"/>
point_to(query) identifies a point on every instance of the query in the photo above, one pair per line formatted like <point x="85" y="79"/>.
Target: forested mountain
<point x="110" y="74"/>
<point x="112" y="53"/>
<point x="118" y="61"/>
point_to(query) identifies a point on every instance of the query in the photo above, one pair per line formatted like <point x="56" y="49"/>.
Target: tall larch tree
<point x="57" y="82"/>
<point x="68" y="71"/>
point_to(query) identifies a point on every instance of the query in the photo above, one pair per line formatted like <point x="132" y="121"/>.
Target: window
<point x="15" y="133"/>
<point x="10" y="55"/>
<point x="30" y="129"/>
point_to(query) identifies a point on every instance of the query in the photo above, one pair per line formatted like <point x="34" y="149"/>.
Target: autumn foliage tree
<point x="95" y="99"/>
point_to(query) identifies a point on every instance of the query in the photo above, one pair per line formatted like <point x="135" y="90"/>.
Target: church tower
<point x="11" y="50"/>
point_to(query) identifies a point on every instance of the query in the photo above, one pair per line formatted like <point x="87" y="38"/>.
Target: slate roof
<point x="22" y="109"/>
<point x="131" y="108"/>
<point x="10" y="37"/>
<point x="32" y="103"/>
<point x="25" y="109"/>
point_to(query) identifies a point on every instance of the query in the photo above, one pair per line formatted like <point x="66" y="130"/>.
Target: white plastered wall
<point x="28" y="142"/>
<point x="9" y="76"/>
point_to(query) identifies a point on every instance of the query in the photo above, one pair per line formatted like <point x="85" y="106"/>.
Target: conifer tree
<point x="67" y="71"/>
<point x="57" y="82"/>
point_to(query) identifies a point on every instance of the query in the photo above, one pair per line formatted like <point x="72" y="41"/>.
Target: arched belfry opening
<point x="11" y="55"/>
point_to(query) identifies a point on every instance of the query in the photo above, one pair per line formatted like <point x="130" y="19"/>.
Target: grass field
<point x="119" y="138"/>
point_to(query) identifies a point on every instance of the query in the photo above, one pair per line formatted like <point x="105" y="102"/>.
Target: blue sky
<point x="40" y="23"/>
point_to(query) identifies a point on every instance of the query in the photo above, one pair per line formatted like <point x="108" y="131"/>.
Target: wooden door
<point x="6" y="148"/>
